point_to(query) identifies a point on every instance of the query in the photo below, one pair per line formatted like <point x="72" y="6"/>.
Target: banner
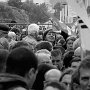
<point x="79" y="7"/>
<point x="85" y="36"/>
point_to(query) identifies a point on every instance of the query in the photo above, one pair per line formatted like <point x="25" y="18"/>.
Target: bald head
<point x="53" y="75"/>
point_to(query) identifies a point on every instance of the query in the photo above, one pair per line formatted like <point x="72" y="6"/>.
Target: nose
<point x="51" y="34"/>
<point x="55" y="62"/>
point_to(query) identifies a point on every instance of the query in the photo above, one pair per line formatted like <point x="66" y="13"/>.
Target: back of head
<point x="4" y="28"/>
<point x="68" y="56"/>
<point x="20" y="44"/>
<point x="20" y="61"/>
<point x="77" y="52"/>
<point x="69" y="71"/>
<point x="11" y="34"/>
<point x="4" y="42"/>
<point x="65" y="35"/>
<point x="42" y="69"/>
<point x="44" y="45"/>
<point x="33" y="28"/>
<point x="53" y="75"/>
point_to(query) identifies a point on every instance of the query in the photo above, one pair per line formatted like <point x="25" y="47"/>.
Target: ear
<point x="32" y="72"/>
<point x="31" y="76"/>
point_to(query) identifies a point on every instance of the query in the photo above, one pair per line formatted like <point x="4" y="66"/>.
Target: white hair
<point x="11" y="34"/>
<point x="33" y="28"/>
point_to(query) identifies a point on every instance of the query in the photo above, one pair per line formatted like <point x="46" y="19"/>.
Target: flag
<point x="85" y="36"/>
<point x="79" y="7"/>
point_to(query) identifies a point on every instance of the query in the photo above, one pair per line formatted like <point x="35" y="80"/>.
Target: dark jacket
<point x="12" y="82"/>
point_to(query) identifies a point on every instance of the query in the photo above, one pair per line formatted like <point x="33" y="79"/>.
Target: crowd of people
<point x="42" y="60"/>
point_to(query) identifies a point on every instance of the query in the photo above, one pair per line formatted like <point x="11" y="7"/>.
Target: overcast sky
<point x="36" y="1"/>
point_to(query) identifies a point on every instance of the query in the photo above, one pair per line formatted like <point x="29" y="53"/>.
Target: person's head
<point x="42" y="69"/>
<point x="18" y="33"/>
<point x="67" y="80"/>
<point x="66" y="77"/>
<point x="75" y="81"/>
<point x="15" y="30"/>
<point x="40" y="35"/>
<point x="77" y="52"/>
<point x="52" y="75"/>
<point x="44" y="45"/>
<point x="54" y="86"/>
<point x="75" y="62"/>
<point x="13" y="22"/>
<point x="22" y="61"/>
<point x="84" y="74"/>
<point x="11" y="36"/>
<point x="33" y="30"/>
<point x="69" y="42"/>
<point x="67" y="57"/>
<point x="49" y="35"/>
<point x="59" y="48"/>
<point x="4" y="42"/>
<point x="43" y="51"/>
<point x="44" y="58"/>
<point x="20" y="44"/>
<point x="4" y="30"/>
<point x="56" y="57"/>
